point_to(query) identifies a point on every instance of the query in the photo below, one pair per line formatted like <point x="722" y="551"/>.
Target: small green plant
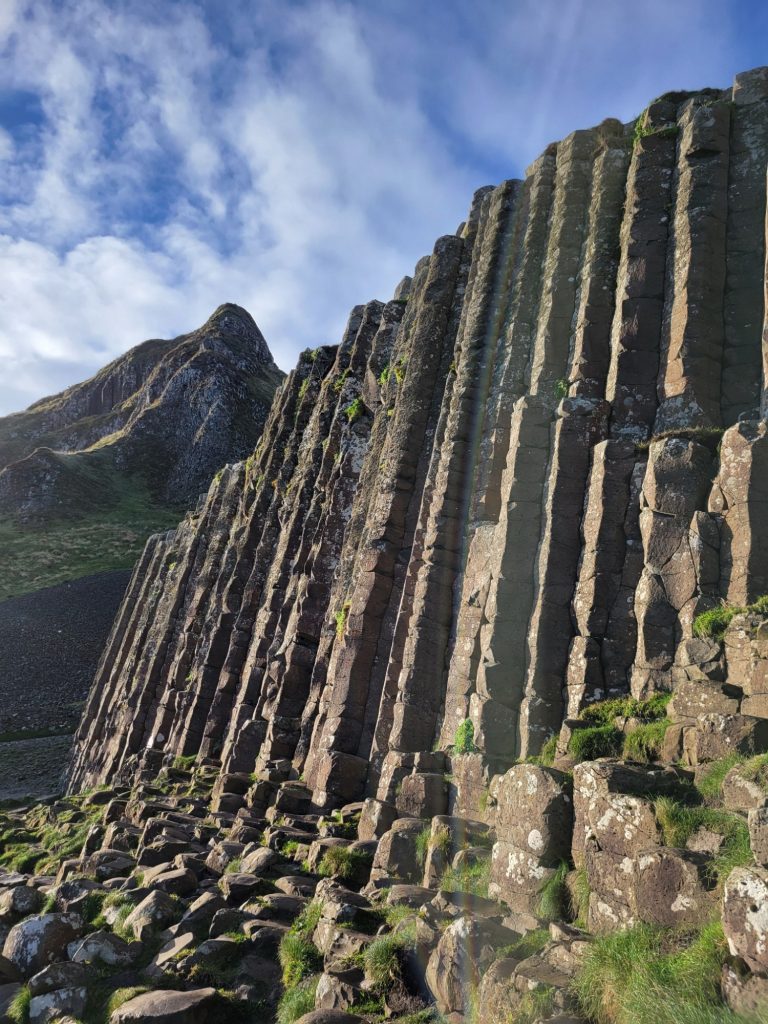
<point x="579" y="892"/>
<point x="606" y="711"/>
<point x="399" y="370"/>
<point x="384" y="376"/>
<point x="464" y="738"/>
<point x="561" y="389"/>
<point x="715" y="621"/>
<point x="537" y="1005"/>
<point x="547" y="754"/>
<point x="299" y="958"/>
<point x="340" y="618"/>
<point x="355" y="410"/>
<point x="710" y="782"/>
<point x="303" y="388"/>
<point x="470" y="878"/>
<point x="528" y="945"/>
<point x="18" y="1011"/>
<point x="422" y="844"/>
<point x="338" y="383"/>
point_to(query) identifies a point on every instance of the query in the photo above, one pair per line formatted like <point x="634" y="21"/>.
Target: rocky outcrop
<point x="167" y="415"/>
<point x="508" y="493"/>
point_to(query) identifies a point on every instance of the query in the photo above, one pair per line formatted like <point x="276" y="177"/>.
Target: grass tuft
<point x="596" y="741"/>
<point x="345" y="863"/>
<point x="469" y="878"/>
<point x="297" y="1001"/>
<point x="553" y="897"/>
<point x="647" y="976"/>
<point x="644" y="743"/>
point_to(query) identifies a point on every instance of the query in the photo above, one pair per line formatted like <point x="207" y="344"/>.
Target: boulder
<point x="671" y="888"/>
<point x="155" y="912"/>
<point x="396" y="854"/>
<point x="422" y="795"/>
<point x="38" y="941"/>
<point x="200" y="1006"/>
<point x="466" y="948"/>
<point x="106" y="948"/>
<point x="53" y="1005"/>
<point x="20" y="901"/>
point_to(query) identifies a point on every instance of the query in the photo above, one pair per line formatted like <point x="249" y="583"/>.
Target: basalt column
<point x="338" y="763"/>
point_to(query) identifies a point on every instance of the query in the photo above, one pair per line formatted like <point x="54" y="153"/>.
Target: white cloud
<point x="296" y="158"/>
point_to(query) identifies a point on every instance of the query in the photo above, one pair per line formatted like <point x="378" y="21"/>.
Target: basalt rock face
<point x="507" y="494"/>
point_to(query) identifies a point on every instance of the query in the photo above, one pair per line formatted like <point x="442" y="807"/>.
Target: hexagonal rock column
<point x="533" y="826"/>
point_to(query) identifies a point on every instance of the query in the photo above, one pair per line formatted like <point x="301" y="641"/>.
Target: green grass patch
<point x="547" y="754"/>
<point x="579" y="892"/>
<point x="345" y="863"/>
<point x="37" y="556"/>
<point x="383" y="961"/>
<point x="679" y="821"/>
<point x="649" y="976"/>
<point x="596" y="741"/>
<point x="297" y="1001"/>
<point x="605" y="712"/>
<point x="340" y="617"/>
<point x="710" y="781"/>
<point x="714" y="622"/>
<point x="469" y="878"/>
<point x="298" y="955"/>
<point x="644" y="743"/>
<point x="527" y="945"/>
<point x="355" y="410"/>
<point x="18" y="1011"/>
<point x="554" y="903"/>
<point x="185" y="764"/>
<point x="422" y="844"/>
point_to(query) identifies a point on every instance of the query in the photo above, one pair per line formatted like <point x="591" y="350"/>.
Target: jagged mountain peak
<point x="235" y="321"/>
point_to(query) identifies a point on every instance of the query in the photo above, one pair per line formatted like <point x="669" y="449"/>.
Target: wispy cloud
<point x="295" y="157"/>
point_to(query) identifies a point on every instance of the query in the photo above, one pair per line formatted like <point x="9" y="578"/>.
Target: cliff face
<point x="508" y="493"/>
<point x="467" y="664"/>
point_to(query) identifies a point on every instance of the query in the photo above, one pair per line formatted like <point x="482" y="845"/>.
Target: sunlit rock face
<point x="506" y="494"/>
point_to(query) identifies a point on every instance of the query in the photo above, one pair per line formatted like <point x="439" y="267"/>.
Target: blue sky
<point x="294" y="157"/>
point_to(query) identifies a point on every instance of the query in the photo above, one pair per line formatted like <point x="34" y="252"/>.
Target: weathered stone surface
<point x="34" y="943"/>
<point x="745" y="916"/>
<point x="534" y="821"/>
<point x="396" y="853"/>
<point x="200" y="1006"/>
